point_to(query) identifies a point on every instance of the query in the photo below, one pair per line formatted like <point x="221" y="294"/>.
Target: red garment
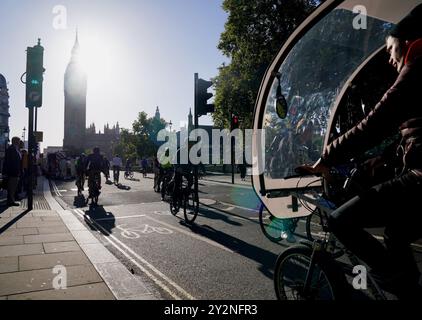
<point x="415" y="51"/>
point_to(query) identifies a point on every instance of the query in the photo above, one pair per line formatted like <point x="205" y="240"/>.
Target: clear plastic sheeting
<point x="312" y="76"/>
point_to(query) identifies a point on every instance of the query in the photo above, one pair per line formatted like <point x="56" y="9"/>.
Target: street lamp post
<point x="23" y="135"/>
<point x="170" y="125"/>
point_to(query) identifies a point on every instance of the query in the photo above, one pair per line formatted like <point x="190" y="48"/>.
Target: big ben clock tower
<point x="75" y="90"/>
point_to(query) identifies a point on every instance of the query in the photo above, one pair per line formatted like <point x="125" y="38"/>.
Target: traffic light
<point x="34" y="75"/>
<point x="202" y="97"/>
<point x="235" y="122"/>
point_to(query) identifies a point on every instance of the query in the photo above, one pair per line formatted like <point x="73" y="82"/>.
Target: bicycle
<point x="185" y="198"/>
<point x="129" y="174"/>
<point x="313" y="270"/>
<point x="94" y="181"/>
<point x="80" y="182"/>
<point x="273" y="227"/>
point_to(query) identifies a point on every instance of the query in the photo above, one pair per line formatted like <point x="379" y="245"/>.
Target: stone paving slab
<point x="46" y="238"/>
<point x="85" y="237"/>
<point x="51" y="260"/>
<point x="11" y="240"/>
<point x="49" y="230"/>
<point x="96" y="291"/>
<point x="124" y="288"/>
<point x="56" y="247"/>
<point x="20" y="232"/>
<point x="98" y="253"/>
<point x="52" y="218"/>
<point x="21" y="250"/>
<point x="9" y="264"/>
<point x="41" y="224"/>
<point x="77" y="226"/>
<point x="36" y="280"/>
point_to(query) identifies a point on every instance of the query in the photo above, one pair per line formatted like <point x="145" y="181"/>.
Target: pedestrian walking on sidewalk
<point x="12" y="169"/>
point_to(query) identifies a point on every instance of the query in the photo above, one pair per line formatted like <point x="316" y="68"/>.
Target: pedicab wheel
<point x="292" y="266"/>
<point x="191" y="207"/>
<point x="271" y="226"/>
<point x="314" y="226"/>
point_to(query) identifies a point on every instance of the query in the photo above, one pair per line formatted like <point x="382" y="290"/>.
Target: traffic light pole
<point x="30" y="158"/>
<point x="196" y="124"/>
<point x="232" y="148"/>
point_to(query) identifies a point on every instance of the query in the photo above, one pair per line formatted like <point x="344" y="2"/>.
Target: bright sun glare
<point x="95" y="57"/>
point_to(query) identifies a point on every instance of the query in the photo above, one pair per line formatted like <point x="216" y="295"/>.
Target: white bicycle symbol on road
<point x="133" y="233"/>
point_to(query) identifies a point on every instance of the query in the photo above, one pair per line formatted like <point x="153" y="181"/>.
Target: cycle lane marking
<point x="142" y="260"/>
<point x="192" y="235"/>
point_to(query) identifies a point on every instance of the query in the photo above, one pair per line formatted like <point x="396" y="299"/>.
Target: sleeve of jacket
<point x="380" y="124"/>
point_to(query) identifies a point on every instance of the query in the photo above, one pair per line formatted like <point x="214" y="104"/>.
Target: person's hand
<point x="317" y="169"/>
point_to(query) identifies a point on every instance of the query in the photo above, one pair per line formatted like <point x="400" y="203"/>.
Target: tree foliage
<point x="141" y="141"/>
<point x="254" y="32"/>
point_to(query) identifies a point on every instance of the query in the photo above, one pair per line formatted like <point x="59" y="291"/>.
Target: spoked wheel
<point x="174" y="206"/>
<point x="191" y="206"/>
<point x="292" y="266"/>
<point x="315" y="226"/>
<point x="270" y="225"/>
<point x="175" y="202"/>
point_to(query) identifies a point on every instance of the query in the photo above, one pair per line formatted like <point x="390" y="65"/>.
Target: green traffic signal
<point x="34" y="76"/>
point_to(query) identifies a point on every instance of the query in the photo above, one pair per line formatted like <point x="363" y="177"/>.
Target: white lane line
<point x="56" y="190"/>
<point x="142" y="260"/>
<point x="190" y="234"/>
<point x="122" y="217"/>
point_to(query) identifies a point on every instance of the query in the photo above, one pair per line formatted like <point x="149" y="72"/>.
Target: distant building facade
<point x="105" y="140"/>
<point x="4" y="118"/>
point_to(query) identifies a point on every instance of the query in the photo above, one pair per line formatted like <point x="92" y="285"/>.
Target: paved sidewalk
<point x="33" y="243"/>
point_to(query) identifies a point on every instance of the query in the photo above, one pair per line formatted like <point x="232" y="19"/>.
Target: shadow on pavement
<point x="123" y="187"/>
<point x="105" y="219"/>
<point x="13" y="221"/>
<point x="217" y="216"/>
<point x="265" y="258"/>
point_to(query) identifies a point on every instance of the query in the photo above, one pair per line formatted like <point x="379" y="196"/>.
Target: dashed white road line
<point x="118" y="244"/>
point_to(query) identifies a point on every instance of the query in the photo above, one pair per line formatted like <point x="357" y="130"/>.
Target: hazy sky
<point x="139" y="54"/>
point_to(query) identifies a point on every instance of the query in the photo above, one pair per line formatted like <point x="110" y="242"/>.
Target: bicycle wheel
<point x="173" y="198"/>
<point x="315" y="226"/>
<point x="271" y="226"/>
<point x="191" y="206"/>
<point x="327" y="282"/>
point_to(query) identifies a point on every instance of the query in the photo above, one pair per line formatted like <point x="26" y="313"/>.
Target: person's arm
<point x="380" y="124"/>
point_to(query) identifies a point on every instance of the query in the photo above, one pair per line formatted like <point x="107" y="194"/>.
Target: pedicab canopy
<point x="329" y="73"/>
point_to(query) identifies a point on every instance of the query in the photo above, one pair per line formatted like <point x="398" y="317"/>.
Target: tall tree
<point x="254" y="32"/>
<point x="141" y="141"/>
